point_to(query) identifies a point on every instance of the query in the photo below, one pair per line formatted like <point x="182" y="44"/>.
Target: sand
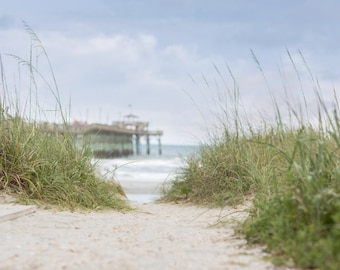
<point x="154" y="236"/>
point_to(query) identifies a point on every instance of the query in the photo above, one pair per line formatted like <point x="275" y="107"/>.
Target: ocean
<point x="143" y="176"/>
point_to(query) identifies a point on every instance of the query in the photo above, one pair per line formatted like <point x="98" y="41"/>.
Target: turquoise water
<point x="142" y="177"/>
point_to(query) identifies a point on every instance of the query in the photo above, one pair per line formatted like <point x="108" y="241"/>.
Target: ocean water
<point x="143" y="176"/>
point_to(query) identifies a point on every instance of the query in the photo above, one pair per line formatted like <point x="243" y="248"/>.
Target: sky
<point x="175" y="64"/>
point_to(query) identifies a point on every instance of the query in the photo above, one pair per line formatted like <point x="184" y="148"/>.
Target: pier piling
<point x="147" y="144"/>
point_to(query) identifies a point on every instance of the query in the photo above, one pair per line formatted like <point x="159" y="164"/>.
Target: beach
<point x="152" y="236"/>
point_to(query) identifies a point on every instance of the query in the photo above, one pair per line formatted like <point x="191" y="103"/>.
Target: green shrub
<point x="300" y="221"/>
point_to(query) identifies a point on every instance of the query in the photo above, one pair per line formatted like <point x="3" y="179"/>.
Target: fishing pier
<point x="122" y="138"/>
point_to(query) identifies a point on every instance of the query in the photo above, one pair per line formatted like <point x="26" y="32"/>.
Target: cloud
<point x="103" y="74"/>
<point x="159" y="57"/>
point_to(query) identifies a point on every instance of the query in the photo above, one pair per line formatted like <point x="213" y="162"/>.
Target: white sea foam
<point x="135" y="172"/>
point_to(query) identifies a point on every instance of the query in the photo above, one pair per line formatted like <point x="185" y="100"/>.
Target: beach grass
<point x="290" y="171"/>
<point x="44" y="165"/>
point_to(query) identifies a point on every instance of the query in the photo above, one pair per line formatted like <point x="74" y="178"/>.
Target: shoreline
<point x="139" y="192"/>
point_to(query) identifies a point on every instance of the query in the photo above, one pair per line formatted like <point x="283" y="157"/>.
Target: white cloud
<point x="108" y="55"/>
<point x="103" y="74"/>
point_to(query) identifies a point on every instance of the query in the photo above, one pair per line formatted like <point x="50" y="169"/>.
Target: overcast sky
<point x="158" y="58"/>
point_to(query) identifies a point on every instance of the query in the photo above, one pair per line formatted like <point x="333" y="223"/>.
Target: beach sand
<point x="153" y="236"/>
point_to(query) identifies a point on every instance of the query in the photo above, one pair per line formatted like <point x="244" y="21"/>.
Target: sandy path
<point x="155" y="236"/>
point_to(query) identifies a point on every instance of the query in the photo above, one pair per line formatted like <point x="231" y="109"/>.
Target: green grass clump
<point x="47" y="168"/>
<point x="300" y="220"/>
<point x="225" y="171"/>
<point x="41" y="163"/>
<point x="291" y="171"/>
